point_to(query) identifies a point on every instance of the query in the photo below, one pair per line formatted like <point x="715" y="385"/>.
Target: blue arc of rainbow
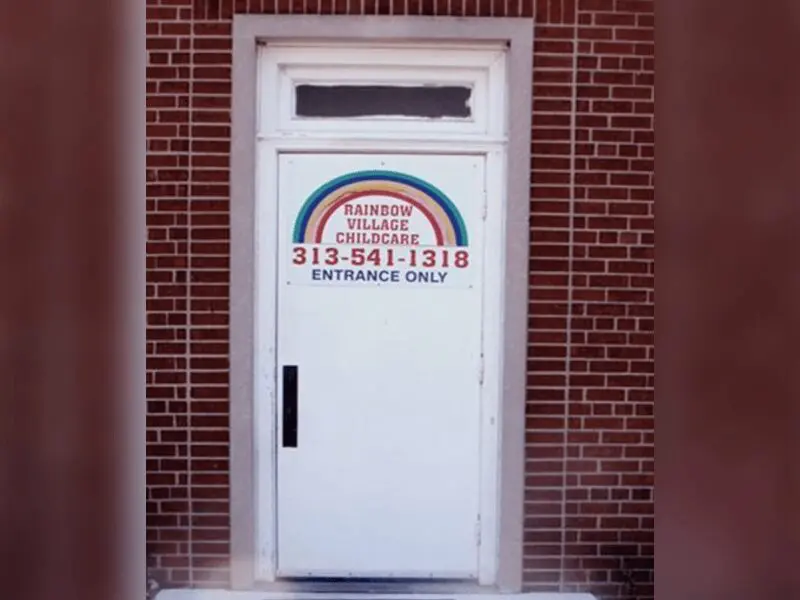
<point x="445" y="219"/>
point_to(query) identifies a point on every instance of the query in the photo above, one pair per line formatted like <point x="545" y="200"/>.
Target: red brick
<point x="615" y="19"/>
<point x="596" y="5"/>
<point x="610" y="307"/>
<point x="595" y="33"/>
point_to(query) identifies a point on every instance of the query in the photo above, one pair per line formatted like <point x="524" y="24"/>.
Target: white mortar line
<point x="188" y="326"/>
<point x="570" y="296"/>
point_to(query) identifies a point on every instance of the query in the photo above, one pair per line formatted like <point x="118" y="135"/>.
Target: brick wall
<point x="590" y="421"/>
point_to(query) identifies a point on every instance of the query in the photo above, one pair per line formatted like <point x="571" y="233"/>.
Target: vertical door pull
<point x="290" y="406"/>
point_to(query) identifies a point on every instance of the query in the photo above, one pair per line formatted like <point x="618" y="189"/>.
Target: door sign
<point x="380" y="228"/>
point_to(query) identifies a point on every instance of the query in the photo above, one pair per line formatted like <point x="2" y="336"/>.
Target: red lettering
<point x="462" y="259"/>
<point x="375" y="232"/>
<point x="378" y="210"/>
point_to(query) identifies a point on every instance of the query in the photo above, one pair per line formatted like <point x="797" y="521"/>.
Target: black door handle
<point x="290" y="377"/>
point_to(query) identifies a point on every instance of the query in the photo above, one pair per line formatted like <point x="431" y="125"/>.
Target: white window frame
<point x="284" y="66"/>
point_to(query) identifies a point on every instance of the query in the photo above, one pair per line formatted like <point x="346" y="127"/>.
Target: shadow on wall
<point x="153" y="585"/>
<point x="635" y="577"/>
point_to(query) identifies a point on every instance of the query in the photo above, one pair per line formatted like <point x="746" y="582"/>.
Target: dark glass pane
<point x="342" y="101"/>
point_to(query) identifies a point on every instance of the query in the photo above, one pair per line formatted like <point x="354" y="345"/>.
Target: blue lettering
<point x="425" y="276"/>
<point x="360" y="275"/>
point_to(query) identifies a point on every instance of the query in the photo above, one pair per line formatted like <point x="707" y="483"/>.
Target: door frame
<point x="266" y="388"/>
<point x="254" y="175"/>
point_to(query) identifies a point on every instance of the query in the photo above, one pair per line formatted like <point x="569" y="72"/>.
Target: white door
<point x="379" y="339"/>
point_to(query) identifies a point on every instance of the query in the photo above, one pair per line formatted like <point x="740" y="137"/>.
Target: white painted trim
<point x="199" y="594"/>
<point x="282" y="66"/>
<point x="472" y="144"/>
<point x="382" y="139"/>
<point x="372" y="54"/>
<point x="492" y="345"/>
<point x="250" y="33"/>
<point x="265" y="384"/>
<point x="498" y="90"/>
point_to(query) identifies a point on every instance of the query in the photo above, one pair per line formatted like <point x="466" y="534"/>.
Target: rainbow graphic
<point x="444" y="217"/>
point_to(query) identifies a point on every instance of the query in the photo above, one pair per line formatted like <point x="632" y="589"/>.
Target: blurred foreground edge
<point x="728" y="517"/>
<point x="72" y="300"/>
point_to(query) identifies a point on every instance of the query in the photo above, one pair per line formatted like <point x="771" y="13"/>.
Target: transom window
<point x="401" y="91"/>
